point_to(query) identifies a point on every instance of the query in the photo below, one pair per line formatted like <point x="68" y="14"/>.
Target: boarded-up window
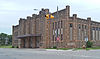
<point x="93" y="33"/>
<point x="79" y="29"/>
<point x="97" y="33"/>
<point x="71" y="31"/>
<point x="58" y="31"/>
<point x="58" y="24"/>
<point x="61" y="31"/>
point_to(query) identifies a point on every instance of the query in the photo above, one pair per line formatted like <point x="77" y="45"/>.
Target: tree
<point x="4" y="37"/>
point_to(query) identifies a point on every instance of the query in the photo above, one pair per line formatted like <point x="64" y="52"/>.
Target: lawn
<point x="6" y="46"/>
<point x="76" y="48"/>
<point x="59" y="48"/>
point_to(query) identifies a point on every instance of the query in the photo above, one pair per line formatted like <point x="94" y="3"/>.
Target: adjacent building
<point x="64" y="31"/>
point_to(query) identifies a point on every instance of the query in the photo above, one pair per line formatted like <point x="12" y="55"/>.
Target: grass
<point x="93" y="48"/>
<point x="6" y="46"/>
<point x="60" y="48"/>
<point x="64" y="48"/>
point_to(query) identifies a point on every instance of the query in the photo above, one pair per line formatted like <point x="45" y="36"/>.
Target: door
<point x="37" y="43"/>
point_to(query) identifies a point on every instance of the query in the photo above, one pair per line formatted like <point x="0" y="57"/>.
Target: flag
<point x="58" y="39"/>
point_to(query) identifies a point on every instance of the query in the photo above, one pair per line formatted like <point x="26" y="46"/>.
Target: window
<point x="61" y="36"/>
<point x="80" y="26"/>
<point x="53" y="37"/>
<point x="85" y="26"/>
<point x="99" y="29"/>
<point x="53" y="25"/>
<point x="93" y="28"/>
<point x="96" y="28"/>
<point x="71" y="30"/>
<point x="71" y="25"/>
<point x="58" y="24"/>
<point x="61" y="24"/>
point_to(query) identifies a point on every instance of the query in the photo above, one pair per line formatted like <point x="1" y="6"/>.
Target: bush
<point x="12" y="46"/>
<point x="54" y="47"/>
<point x="89" y="44"/>
<point x="17" y="47"/>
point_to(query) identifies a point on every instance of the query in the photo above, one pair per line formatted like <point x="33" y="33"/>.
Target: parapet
<point x="89" y="18"/>
<point x="29" y="17"/>
<point x="34" y="16"/>
<point x="74" y="15"/>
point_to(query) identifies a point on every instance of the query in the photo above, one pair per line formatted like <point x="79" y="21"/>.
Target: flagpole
<point x="57" y="28"/>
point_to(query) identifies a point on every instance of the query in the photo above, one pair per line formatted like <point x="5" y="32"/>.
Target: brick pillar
<point x="47" y="35"/>
<point x="46" y="28"/>
<point x="13" y="36"/>
<point x="75" y="28"/>
<point x="66" y="26"/>
<point x="89" y="28"/>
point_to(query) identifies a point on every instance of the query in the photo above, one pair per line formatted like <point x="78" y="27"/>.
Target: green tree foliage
<point x="89" y="44"/>
<point x="5" y="39"/>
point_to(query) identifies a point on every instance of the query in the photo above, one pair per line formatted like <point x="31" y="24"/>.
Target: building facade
<point x="72" y="31"/>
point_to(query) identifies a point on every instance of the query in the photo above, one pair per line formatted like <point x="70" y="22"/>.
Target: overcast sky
<point x="12" y="10"/>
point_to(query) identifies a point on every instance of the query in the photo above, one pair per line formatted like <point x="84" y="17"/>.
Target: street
<point x="13" y="53"/>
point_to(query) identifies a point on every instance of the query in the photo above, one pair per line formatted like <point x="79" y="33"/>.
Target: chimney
<point x="74" y="16"/>
<point x="68" y="10"/>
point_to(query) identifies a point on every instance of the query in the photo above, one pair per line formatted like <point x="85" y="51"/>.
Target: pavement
<point x="13" y="53"/>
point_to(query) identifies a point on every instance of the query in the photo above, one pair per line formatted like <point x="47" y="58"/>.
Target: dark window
<point x="57" y="32"/>
<point x="61" y="36"/>
<point x="53" y="25"/>
<point x="71" y="25"/>
<point x="93" y="28"/>
<point x="96" y="28"/>
<point x="61" y="24"/>
<point x="53" y="37"/>
<point x="99" y="29"/>
<point x="80" y="26"/>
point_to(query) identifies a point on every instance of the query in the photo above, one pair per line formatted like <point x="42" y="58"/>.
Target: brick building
<point x="72" y="31"/>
